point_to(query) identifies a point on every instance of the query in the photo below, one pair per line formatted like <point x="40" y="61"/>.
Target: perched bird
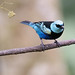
<point x="49" y="30"/>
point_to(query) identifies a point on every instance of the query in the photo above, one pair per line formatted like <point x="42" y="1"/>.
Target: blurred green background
<point x="59" y="61"/>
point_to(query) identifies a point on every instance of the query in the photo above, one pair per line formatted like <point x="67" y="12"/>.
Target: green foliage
<point x="68" y="7"/>
<point x="69" y="20"/>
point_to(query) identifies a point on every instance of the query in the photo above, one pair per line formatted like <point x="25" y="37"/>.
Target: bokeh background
<point x="59" y="61"/>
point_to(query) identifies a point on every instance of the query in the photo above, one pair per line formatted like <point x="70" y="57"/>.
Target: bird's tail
<point x="27" y="23"/>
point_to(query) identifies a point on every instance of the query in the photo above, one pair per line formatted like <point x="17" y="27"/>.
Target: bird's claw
<point x="57" y="43"/>
<point x="43" y="47"/>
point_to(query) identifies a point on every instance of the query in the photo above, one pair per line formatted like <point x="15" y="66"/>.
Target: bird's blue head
<point x="57" y="26"/>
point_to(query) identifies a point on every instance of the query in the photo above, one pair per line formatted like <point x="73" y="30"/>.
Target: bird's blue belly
<point x="44" y="36"/>
<point x="40" y="33"/>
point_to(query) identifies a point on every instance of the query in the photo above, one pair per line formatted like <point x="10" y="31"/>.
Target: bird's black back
<point x="46" y="23"/>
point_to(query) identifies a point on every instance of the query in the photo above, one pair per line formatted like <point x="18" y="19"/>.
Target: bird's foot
<point x="43" y="47"/>
<point x="57" y="43"/>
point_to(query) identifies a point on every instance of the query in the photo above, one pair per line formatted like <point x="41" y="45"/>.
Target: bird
<point x="49" y="30"/>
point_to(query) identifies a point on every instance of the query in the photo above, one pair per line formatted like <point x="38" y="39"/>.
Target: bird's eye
<point x="58" y="26"/>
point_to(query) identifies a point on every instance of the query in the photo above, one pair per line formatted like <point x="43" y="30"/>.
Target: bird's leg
<point x="57" y="43"/>
<point x="43" y="46"/>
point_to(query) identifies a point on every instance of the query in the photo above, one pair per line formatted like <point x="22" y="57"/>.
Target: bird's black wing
<point x="45" y="26"/>
<point x="46" y="23"/>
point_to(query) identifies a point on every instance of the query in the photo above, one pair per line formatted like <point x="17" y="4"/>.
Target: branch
<point x="36" y="48"/>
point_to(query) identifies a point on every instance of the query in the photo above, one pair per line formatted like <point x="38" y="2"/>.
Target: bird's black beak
<point x="62" y="27"/>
